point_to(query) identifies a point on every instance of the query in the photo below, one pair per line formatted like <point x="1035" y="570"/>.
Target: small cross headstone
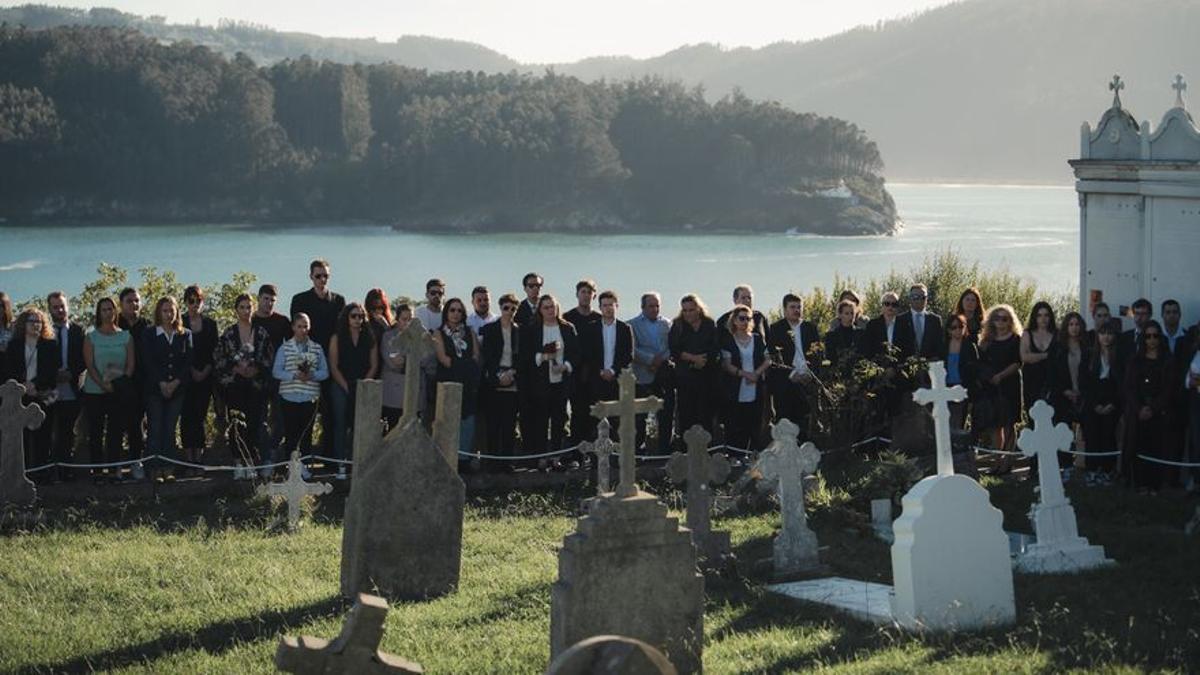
<point x="415" y="343"/>
<point x="697" y="469"/>
<point x="602" y="449"/>
<point x="941" y="396"/>
<point x="356" y="649"/>
<point x="1058" y="548"/>
<point x="294" y="490"/>
<point x="1179" y="86"/>
<point x="786" y="463"/>
<point x="15" y="418"/>
<point x="627" y="407"/>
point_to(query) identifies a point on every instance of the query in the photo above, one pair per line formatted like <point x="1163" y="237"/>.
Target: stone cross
<point x="786" y="463"/>
<point x="602" y="448"/>
<point x="697" y="469"/>
<point x="1044" y="440"/>
<point x="940" y="396"/>
<point x="356" y="649"/>
<point x="415" y="344"/>
<point x="1179" y="86"/>
<point x="627" y="407"/>
<point x="1115" y="87"/>
<point x="15" y="418"/>
<point x="294" y="489"/>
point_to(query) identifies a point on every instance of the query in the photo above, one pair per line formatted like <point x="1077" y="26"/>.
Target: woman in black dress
<point x="458" y="360"/>
<point x="1068" y="363"/>
<point x="1151" y="384"/>
<point x="999" y="405"/>
<point x="1037" y="345"/>
<point x="352" y="357"/>
<point x="1102" y="383"/>
<point x="843" y="338"/>
<point x="197" y="393"/>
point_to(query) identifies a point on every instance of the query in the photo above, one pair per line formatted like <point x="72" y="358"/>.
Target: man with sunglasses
<point x="532" y="283"/>
<point x="322" y="306"/>
<point x="430" y="314"/>
<point x="918" y="331"/>
<point x="881" y="331"/>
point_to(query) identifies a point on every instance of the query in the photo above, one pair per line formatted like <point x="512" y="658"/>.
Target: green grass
<point x="203" y="585"/>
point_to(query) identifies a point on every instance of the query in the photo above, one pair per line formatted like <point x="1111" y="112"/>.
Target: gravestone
<point x="447" y="425"/>
<point x="354" y="651"/>
<point x="627" y="408"/>
<point x="950" y="559"/>
<point x="611" y="655"/>
<point x="629" y="568"/>
<point x="1058" y="548"/>
<point x="294" y="490"/>
<point x="785" y="464"/>
<point x="415" y="344"/>
<point x="15" y="418"/>
<point x="881" y="519"/>
<point x="402" y="532"/>
<point x="697" y="469"/>
<point x="601" y="449"/>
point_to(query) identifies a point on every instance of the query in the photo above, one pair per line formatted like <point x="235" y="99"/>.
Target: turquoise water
<point x="1031" y="230"/>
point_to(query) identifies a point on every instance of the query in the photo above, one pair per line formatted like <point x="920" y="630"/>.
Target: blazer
<point x="933" y="341"/>
<point x="492" y="348"/>
<point x="48" y="360"/>
<point x="533" y="378"/>
<point x="75" y="364"/>
<point x="730" y="384"/>
<point x="779" y="342"/>
<point x="166" y="361"/>
<point x="874" y="336"/>
<point x="592" y="341"/>
<point x="968" y="365"/>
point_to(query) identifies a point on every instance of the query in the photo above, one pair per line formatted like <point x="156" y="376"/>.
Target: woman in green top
<point x="108" y="354"/>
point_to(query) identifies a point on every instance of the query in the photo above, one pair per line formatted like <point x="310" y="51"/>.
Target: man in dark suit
<point x="583" y="317"/>
<point x="790" y="342"/>
<point x="65" y="410"/>
<point x="1131" y="339"/>
<point x="527" y="311"/>
<point x="919" y="332"/>
<point x="610" y="344"/>
<point x="743" y="294"/>
<point x="881" y="331"/>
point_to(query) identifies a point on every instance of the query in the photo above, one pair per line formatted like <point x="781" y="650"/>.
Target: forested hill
<point x="107" y="123"/>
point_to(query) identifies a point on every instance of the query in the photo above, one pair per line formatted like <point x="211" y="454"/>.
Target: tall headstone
<point x="15" y="418"/>
<point x="1058" y="548"/>
<point x="294" y="490"/>
<point x="447" y="426"/>
<point x="697" y="469"/>
<point x="402" y="532"/>
<point x="354" y="651"/>
<point x="611" y="655"/>
<point x="786" y="464"/>
<point x="629" y="568"/>
<point x="950" y="560"/>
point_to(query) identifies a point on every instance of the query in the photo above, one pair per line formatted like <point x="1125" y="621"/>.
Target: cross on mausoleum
<point x="356" y="649"/>
<point x="940" y="396"/>
<point x="602" y="449"/>
<point x="627" y="407"/>
<point x="1044" y="440"/>
<point x="415" y="344"/>
<point x="294" y="489"/>
<point x="15" y="418"/>
<point x="697" y="468"/>
<point x="1115" y="87"/>
<point x="1179" y="86"/>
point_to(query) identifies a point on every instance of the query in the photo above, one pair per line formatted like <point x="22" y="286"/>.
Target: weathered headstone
<point x="696" y="468"/>
<point x="601" y="449"/>
<point x="447" y="426"/>
<point x="785" y="464"/>
<point x="629" y="569"/>
<point x="950" y="560"/>
<point x="15" y="418"/>
<point x="294" y="490"/>
<point x="354" y="651"/>
<point x="611" y="655"/>
<point x="627" y="407"/>
<point x="1058" y="548"/>
<point x="881" y="519"/>
<point x="402" y="532"/>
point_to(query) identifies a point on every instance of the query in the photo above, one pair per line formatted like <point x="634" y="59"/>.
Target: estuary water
<point x="1033" y="231"/>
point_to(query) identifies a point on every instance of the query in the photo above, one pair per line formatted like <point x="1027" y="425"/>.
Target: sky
<point x="544" y="31"/>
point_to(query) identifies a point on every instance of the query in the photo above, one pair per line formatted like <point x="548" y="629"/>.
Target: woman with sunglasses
<point x="1151" y="384"/>
<point x="352" y="357"/>
<point x="379" y="313"/>
<point x="500" y="346"/>
<point x="198" y="392"/>
<point x="880" y="332"/>
<point x="546" y="361"/>
<point x="999" y="379"/>
<point x="962" y="364"/>
<point x="457" y="353"/>
<point x="744" y="364"/>
<point x="1101" y="382"/>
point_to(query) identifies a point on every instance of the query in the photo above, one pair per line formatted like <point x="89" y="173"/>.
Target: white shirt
<point x="63" y="333"/>
<point x="799" y="363"/>
<point x="747" y="391"/>
<point x="1172" y="337"/>
<point x="891" y="330"/>
<point x="608" y="332"/>
<point x="476" y="322"/>
<point x="552" y="335"/>
<point x="31" y="361"/>
<point x="431" y="319"/>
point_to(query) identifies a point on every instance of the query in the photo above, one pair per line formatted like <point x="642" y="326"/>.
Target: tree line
<point x="93" y="117"/>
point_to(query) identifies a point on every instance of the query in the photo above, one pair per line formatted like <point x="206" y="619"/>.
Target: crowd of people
<point x="531" y="372"/>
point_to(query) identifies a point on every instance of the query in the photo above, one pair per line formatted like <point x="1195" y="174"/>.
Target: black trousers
<point x="63" y="415"/>
<point x="298" y="421"/>
<point x="243" y="397"/>
<point x="548" y="404"/>
<point x="135" y="409"/>
<point x="106" y="419"/>
<point x="742" y="422"/>
<point x="1100" y="435"/>
<point x="1151" y="437"/>
<point x="694" y="399"/>
<point x="196" y="398"/>
<point x="790" y="400"/>
<point x="502" y="409"/>
<point x="583" y="425"/>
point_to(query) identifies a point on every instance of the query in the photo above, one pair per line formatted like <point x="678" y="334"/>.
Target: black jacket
<point x="166" y="361"/>
<point x="730" y="384"/>
<point x="781" y="344"/>
<point x="841" y="340"/>
<point x="874" y="336"/>
<point x="492" y="348"/>
<point x="75" y="364"/>
<point x="525" y="313"/>
<point x="933" y="341"/>
<point x="534" y="378"/>
<point x="592" y="341"/>
<point x="48" y="359"/>
<point x="760" y="323"/>
<point x="322" y="314"/>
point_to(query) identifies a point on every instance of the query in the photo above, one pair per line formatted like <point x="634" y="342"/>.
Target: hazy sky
<point x="542" y="31"/>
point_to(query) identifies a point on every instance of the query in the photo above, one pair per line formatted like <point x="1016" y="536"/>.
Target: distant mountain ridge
<point x="979" y="90"/>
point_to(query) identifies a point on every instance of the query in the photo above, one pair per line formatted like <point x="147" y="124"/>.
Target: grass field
<point x="203" y="585"/>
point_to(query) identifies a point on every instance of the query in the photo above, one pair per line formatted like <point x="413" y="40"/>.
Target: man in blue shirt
<point x="652" y="367"/>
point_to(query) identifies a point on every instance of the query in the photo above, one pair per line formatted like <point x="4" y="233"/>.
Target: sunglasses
<point x="890" y="303"/>
<point x="742" y="319"/>
<point x="917" y="296"/>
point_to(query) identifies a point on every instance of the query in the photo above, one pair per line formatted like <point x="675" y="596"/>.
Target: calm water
<point x="1030" y="230"/>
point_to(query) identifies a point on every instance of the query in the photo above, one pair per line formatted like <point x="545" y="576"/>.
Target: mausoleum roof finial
<point x="1116" y="86"/>
<point x="1179" y="86"/>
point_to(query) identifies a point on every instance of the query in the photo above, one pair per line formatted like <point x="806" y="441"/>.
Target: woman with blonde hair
<point x="999" y="406"/>
<point x="167" y="351"/>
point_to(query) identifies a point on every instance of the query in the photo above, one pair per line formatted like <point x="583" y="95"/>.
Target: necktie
<point x="919" y="325"/>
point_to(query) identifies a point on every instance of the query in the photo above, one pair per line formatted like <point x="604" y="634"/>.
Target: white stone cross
<point x="356" y="649"/>
<point x="786" y="464"/>
<point x="602" y="448"/>
<point x="415" y="343"/>
<point x="15" y="418"/>
<point x="697" y="468"/>
<point x="627" y="407"/>
<point x="1115" y="87"/>
<point x="294" y="489"/>
<point x="1045" y="439"/>
<point x="941" y="396"/>
<point x="1179" y="86"/>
